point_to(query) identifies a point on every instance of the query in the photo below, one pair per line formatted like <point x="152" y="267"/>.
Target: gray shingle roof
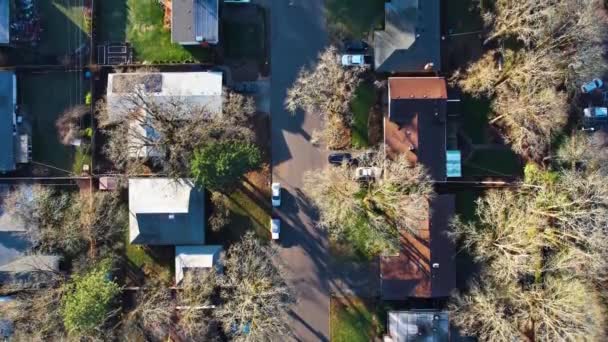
<point x="7" y="140"/>
<point x="411" y="37"/>
<point x="163" y="211"/>
<point x="194" y="21"/>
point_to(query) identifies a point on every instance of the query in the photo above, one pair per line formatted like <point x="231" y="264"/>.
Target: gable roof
<point x="194" y="21"/>
<point x="410" y="273"/>
<point x="195" y="257"/>
<point x="416" y="122"/>
<point x="163" y="211"/>
<point x="411" y="37"/>
<point x="7" y="139"/>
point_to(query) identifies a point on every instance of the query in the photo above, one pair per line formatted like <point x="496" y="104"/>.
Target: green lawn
<point x="151" y="41"/>
<point x="43" y="98"/>
<point x="361" y="105"/>
<point x="63" y="26"/>
<point x="493" y="162"/>
<point x="354" y="18"/>
<point x="141" y="258"/>
<point x="352" y="320"/>
<point x="243" y="40"/>
<point x="112" y="23"/>
<point x="475" y="114"/>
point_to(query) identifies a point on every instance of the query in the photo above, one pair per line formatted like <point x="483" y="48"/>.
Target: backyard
<point x="151" y="40"/>
<point x="43" y="97"/>
<point x="354" y="19"/>
<point x="63" y="26"/>
<point x="111" y="24"/>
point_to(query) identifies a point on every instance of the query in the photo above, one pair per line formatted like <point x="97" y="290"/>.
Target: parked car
<point x="275" y="228"/>
<point x="588" y="87"/>
<point x="368" y="173"/>
<point x="276" y="194"/>
<point x="354" y="46"/>
<point x="355" y="60"/>
<point x="596" y="113"/>
<point x="338" y="158"/>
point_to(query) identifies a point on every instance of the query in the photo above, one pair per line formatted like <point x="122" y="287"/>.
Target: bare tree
<point x="561" y="309"/>
<point x="397" y="201"/>
<point x="326" y="90"/>
<point x="560" y="46"/>
<point x="143" y="129"/>
<point x="36" y="313"/>
<point x="152" y="315"/>
<point x="68" y="124"/>
<point x="544" y="249"/>
<point x="254" y="293"/>
<point x="62" y="222"/>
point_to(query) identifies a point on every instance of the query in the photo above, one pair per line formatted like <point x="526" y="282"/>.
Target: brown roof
<point x="410" y="273"/>
<point x="417" y="88"/>
<point x="402" y="140"/>
<point x="416" y="122"/>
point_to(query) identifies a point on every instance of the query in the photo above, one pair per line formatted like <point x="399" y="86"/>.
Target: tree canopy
<point x="326" y="90"/>
<point x="87" y="301"/>
<point x="370" y="215"/>
<point x="219" y="165"/>
<point x="143" y="132"/>
<point x="543" y="248"/>
<point x="549" y="48"/>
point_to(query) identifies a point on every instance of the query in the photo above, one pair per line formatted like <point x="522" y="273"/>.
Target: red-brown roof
<point x="410" y="274"/>
<point x="416" y="122"/>
<point x="417" y="88"/>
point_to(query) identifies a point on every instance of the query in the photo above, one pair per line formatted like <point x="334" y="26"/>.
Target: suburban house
<point x="201" y="89"/>
<point x="410" y="41"/>
<point x="14" y="145"/>
<point x="17" y="262"/>
<point x="416" y="125"/>
<point x="418" y="325"/>
<point x="195" y="22"/>
<point x="424" y="266"/>
<point x="164" y="211"/>
<point x="5" y="22"/>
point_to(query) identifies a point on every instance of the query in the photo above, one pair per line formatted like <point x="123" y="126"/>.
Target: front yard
<point x="151" y="40"/>
<point x="361" y="106"/>
<point x="353" y="320"/>
<point x="354" y="19"/>
<point x="42" y="98"/>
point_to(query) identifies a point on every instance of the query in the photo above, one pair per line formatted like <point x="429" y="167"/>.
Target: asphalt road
<point x="297" y="35"/>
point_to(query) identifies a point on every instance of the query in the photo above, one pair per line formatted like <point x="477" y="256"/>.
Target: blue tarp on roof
<point x="7" y="140"/>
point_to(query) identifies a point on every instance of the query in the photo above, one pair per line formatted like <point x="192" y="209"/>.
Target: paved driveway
<point x="297" y="36"/>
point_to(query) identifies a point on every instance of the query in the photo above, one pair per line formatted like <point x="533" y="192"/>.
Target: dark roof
<point x="410" y="274"/>
<point x="411" y="37"/>
<point x="180" y="219"/>
<point x="194" y="21"/>
<point x="416" y="122"/>
<point x="7" y="139"/>
<point x="5" y="22"/>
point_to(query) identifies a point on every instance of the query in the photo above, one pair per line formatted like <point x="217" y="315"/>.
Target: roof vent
<point x="436" y="265"/>
<point x="171" y="216"/>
